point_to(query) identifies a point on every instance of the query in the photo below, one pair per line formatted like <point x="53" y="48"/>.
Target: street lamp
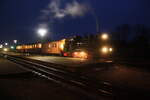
<point x="6" y="44"/>
<point x="15" y="41"/>
<point x="104" y="36"/>
<point x="110" y="49"/>
<point x="42" y="32"/>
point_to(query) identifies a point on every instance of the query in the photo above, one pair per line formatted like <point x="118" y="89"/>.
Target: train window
<point x="49" y="45"/>
<point x="39" y="45"/>
<point x="35" y="46"/>
<point x="54" y="45"/>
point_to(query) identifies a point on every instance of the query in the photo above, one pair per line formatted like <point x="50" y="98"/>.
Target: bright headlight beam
<point x="104" y="50"/>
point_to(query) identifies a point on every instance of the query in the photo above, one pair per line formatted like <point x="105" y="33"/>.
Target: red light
<point x="65" y="54"/>
<point x="75" y="54"/>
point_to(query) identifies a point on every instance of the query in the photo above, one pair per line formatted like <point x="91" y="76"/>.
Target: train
<point x="77" y="47"/>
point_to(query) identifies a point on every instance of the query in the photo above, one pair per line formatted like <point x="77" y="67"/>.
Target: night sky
<point x="19" y="19"/>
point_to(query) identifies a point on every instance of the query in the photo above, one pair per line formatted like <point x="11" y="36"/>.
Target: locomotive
<point x="77" y="46"/>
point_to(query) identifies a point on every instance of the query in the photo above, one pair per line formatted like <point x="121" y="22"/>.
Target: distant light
<point x="1" y="46"/>
<point x="15" y="41"/>
<point x="104" y="36"/>
<point x="110" y="49"/>
<point x="42" y="32"/>
<point x="104" y="50"/>
<point x="75" y="54"/>
<point x="19" y="47"/>
<point x="5" y="49"/>
<point x="65" y="54"/>
<point x="81" y="54"/>
<point x="6" y="43"/>
<point x="12" y="47"/>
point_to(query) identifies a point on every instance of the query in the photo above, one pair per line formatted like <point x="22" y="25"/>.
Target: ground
<point x="130" y="82"/>
<point x="18" y="84"/>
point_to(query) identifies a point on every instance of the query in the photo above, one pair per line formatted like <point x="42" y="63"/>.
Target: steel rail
<point x="64" y="78"/>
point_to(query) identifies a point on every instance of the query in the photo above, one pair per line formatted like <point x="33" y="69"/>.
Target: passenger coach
<point x="79" y="47"/>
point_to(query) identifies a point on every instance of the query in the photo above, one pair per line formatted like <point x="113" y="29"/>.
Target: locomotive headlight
<point x="83" y="54"/>
<point x="110" y="49"/>
<point x="104" y="50"/>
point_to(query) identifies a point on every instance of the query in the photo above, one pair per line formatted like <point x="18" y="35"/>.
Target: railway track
<point x="81" y="84"/>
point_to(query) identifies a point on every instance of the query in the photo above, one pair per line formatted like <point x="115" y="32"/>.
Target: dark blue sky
<point x="20" y="18"/>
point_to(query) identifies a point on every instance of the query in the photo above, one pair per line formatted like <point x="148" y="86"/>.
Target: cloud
<point x="56" y="10"/>
<point x="73" y="9"/>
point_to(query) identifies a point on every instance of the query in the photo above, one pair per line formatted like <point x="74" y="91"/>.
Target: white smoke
<point x="73" y="9"/>
<point x="43" y="25"/>
<point x="76" y="9"/>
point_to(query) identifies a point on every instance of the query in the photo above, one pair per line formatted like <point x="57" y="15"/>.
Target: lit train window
<point x="49" y="45"/>
<point x="54" y="45"/>
<point x="39" y="45"/>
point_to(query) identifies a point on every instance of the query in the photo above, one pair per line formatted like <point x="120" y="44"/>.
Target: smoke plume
<point x="73" y="9"/>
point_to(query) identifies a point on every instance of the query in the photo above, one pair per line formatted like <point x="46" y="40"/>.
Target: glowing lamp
<point x="104" y="50"/>
<point x="110" y="49"/>
<point x="42" y="32"/>
<point x="5" y="49"/>
<point x="104" y="36"/>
